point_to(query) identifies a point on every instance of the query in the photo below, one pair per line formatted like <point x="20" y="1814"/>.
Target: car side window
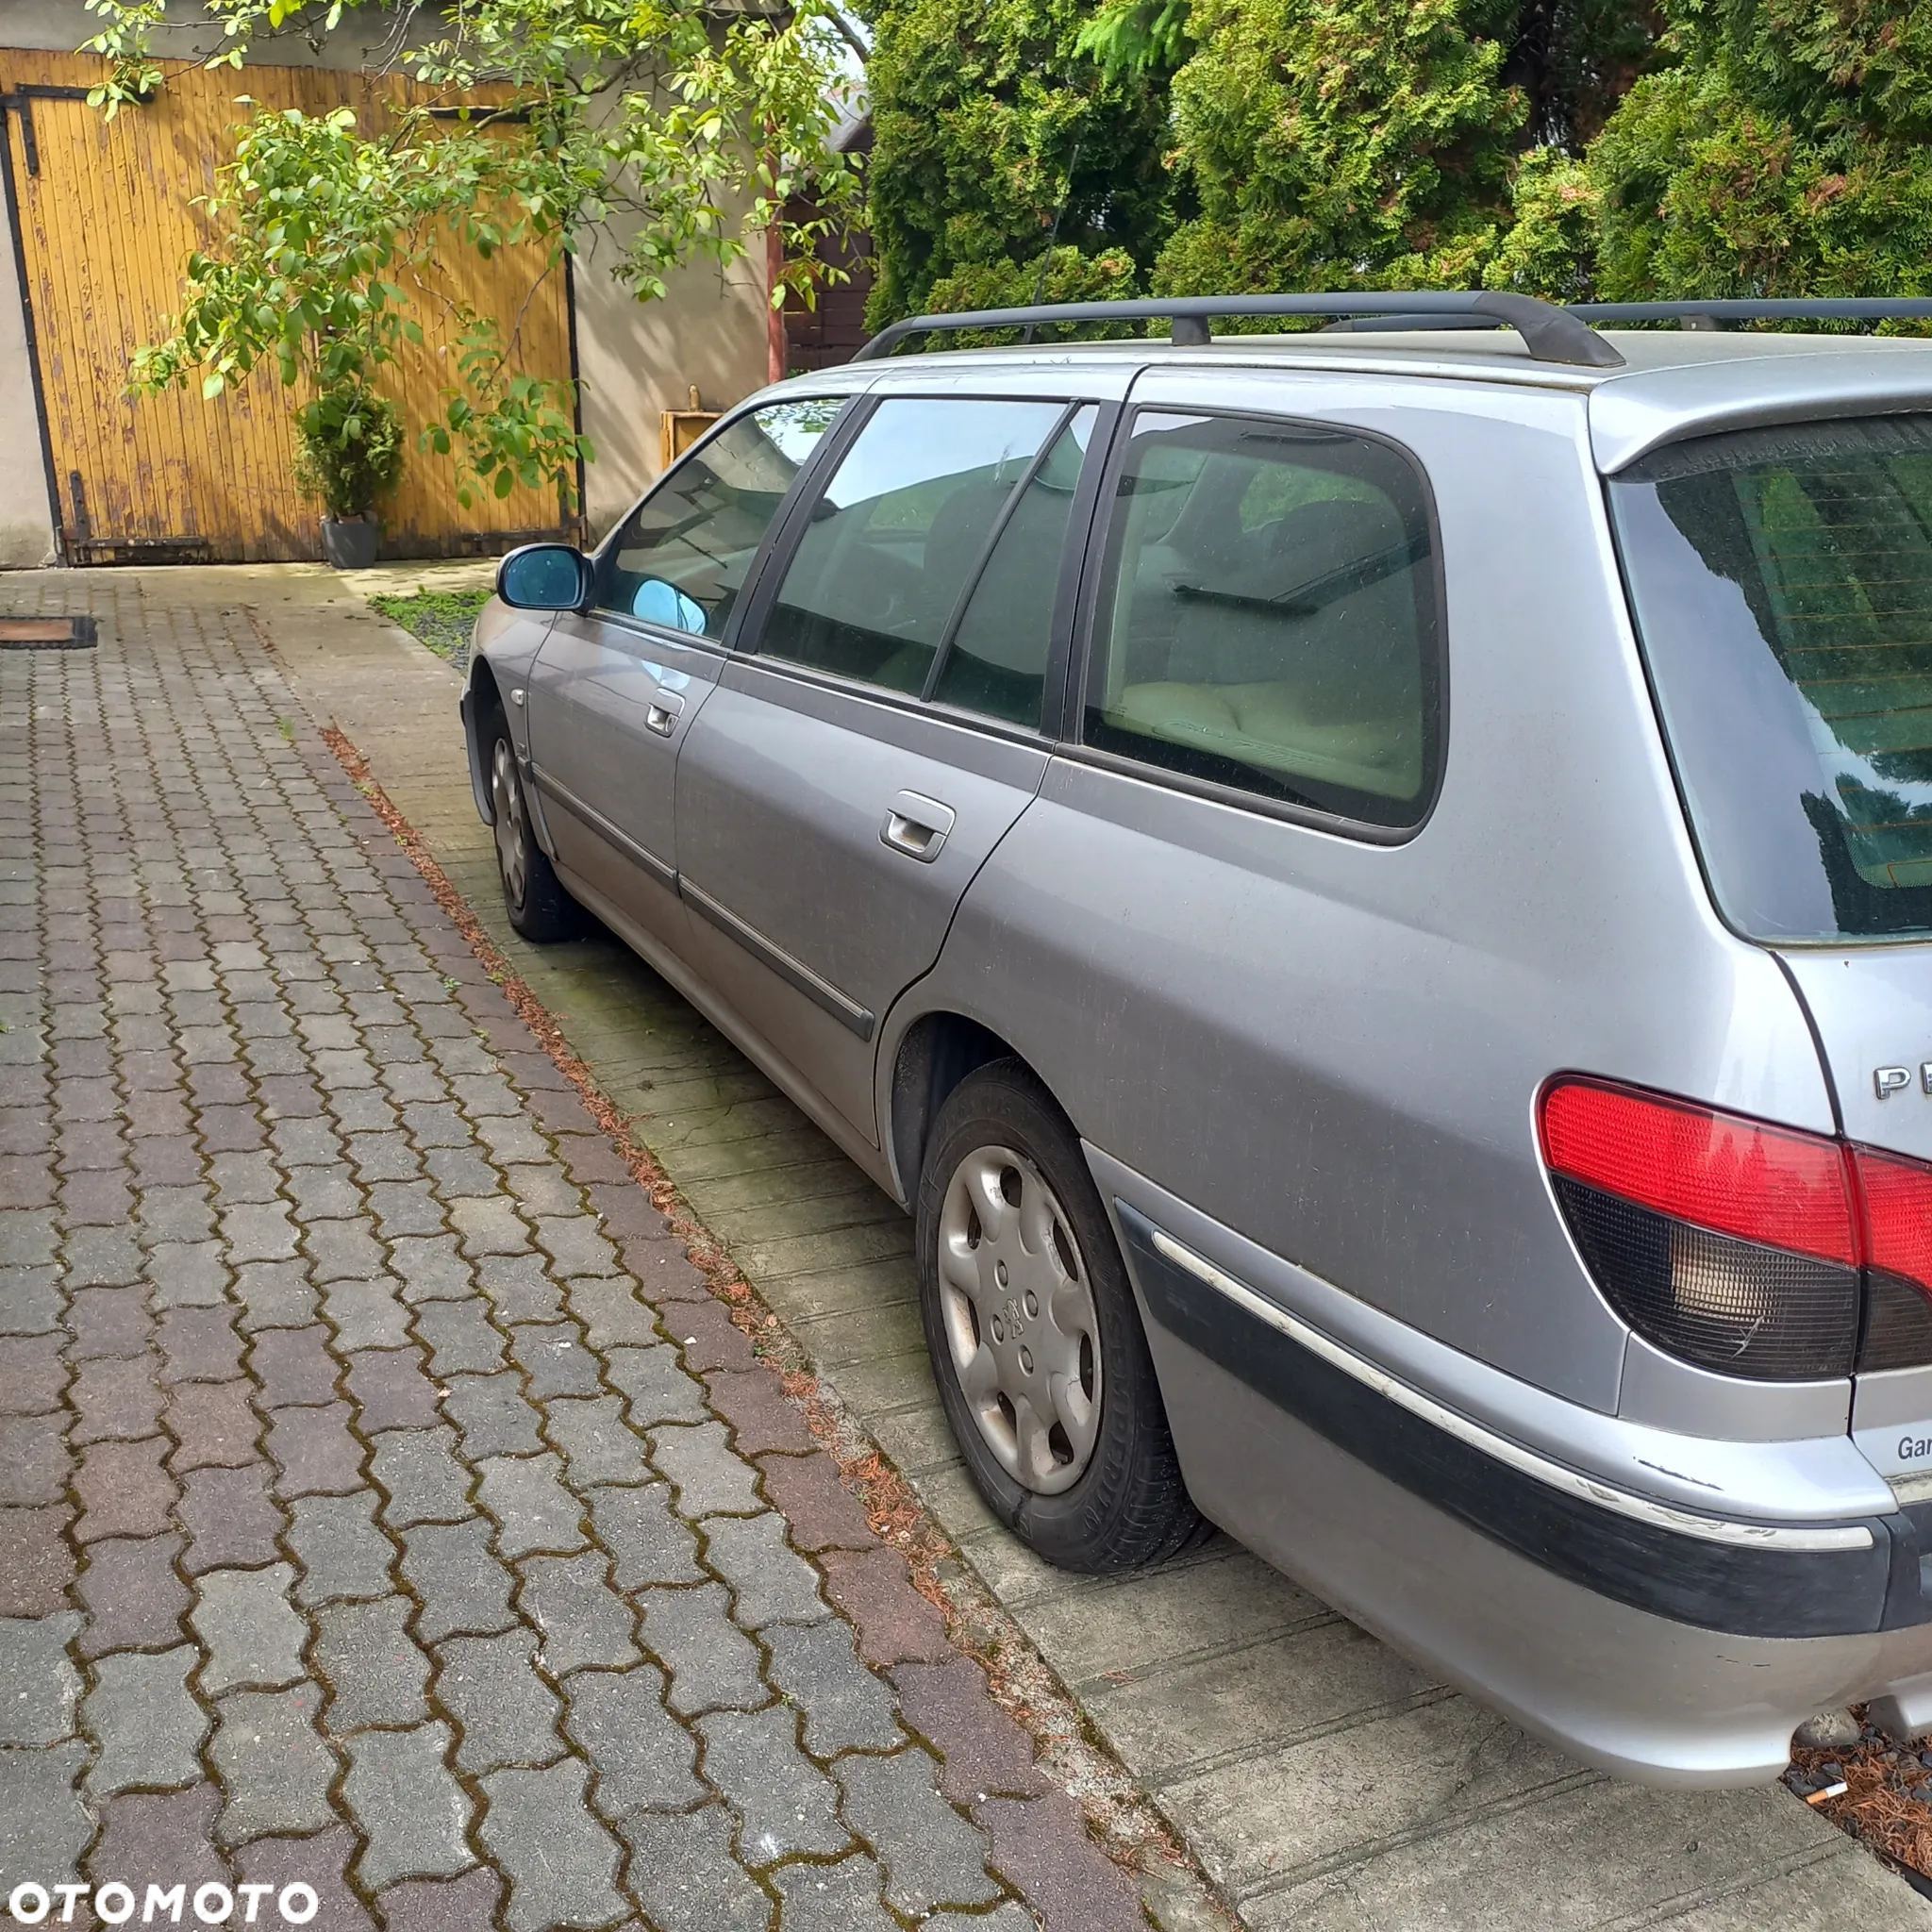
<point x="902" y="526"/>
<point x="995" y="660"/>
<point x="1268" y="615"/>
<point x="682" y="555"/>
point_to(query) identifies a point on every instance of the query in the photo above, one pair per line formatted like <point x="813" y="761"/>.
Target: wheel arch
<point x="934" y="1054"/>
<point x="482" y="699"/>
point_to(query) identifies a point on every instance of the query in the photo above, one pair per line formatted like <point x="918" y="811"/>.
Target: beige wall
<point x="26" y="523"/>
<point x="636" y="359"/>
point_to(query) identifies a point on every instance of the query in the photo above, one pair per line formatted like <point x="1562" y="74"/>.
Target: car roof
<point x="1673" y="383"/>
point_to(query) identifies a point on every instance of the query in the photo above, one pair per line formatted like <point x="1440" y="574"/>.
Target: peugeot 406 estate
<point x="1371" y="891"/>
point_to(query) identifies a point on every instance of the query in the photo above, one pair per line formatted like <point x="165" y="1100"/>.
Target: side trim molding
<point x="642" y="855"/>
<point x="1714" y="1573"/>
<point x="794" y="973"/>
<point x="1762" y="1536"/>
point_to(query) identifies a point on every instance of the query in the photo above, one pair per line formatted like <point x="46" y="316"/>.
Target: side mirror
<point x="544" y="576"/>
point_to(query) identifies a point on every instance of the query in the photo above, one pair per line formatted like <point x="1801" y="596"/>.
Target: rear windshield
<point x="1782" y="586"/>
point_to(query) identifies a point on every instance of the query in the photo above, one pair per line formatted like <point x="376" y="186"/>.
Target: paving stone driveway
<point x="386" y="1506"/>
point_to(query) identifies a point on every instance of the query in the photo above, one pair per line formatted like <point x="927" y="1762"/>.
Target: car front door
<point x="616" y="687"/>
<point x="882" y="723"/>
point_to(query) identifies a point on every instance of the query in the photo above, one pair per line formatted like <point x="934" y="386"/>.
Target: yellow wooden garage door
<point x="105" y="219"/>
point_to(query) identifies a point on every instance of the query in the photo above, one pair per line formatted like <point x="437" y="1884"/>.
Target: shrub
<point x="348" y="450"/>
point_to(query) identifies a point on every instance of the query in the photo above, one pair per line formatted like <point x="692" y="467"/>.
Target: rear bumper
<point x="1659" y="1643"/>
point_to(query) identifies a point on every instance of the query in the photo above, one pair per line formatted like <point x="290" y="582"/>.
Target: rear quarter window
<point x="1268" y="618"/>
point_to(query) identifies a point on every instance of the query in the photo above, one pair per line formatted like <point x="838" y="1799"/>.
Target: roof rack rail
<point x="1715" y="313"/>
<point x="1550" y="333"/>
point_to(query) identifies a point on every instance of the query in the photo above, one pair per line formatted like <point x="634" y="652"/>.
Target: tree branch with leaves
<point x="682" y="132"/>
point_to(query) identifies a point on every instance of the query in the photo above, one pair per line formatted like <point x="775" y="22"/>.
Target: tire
<point x="538" y="905"/>
<point x="1036" y="1343"/>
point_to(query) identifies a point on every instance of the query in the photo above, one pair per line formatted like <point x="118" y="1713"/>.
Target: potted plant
<point x="348" y="453"/>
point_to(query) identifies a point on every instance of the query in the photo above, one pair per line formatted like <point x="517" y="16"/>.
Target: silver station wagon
<point x="1370" y="889"/>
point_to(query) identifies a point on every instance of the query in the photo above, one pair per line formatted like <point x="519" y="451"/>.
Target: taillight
<point x="1750" y="1249"/>
<point x="1895" y="1220"/>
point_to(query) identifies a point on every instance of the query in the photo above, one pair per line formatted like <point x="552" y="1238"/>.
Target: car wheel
<point x="538" y="905"/>
<point x="1036" y="1343"/>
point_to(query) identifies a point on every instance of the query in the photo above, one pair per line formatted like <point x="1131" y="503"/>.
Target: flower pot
<point x="350" y="545"/>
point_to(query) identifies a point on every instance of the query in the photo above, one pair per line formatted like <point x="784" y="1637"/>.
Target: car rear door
<point x="615" y="687"/>
<point x="885" y="720"/>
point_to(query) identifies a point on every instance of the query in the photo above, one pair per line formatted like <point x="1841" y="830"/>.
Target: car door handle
<point x="662" y="714"/>
<point x="916" y="825"/>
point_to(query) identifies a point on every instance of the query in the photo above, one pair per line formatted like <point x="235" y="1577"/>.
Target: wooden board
<point x="106" y="219"/>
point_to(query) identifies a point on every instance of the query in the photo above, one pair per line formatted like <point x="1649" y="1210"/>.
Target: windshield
<point x="1781" y="581"/>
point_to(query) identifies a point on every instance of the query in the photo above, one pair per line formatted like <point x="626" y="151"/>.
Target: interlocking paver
<point x="229" y="1517"/>
<point x="316" y="1451"/>
<point x="425" y="1481"/>
<point x="364" y="1651"/>
<point x="505" y="1712"/>
<point x="555" y="1358"/>
<point x="656" y="1384"/>
<point x="706" y="1472"/>
<point x="146" y="1726"/>
<point x="463" y="1588"/>
<point x="982" y="1750"/>
<point x="932" y="1856"/>
<point x="412" y="1812"/>
<point x="391" y="1390"/>
<point x="785" y="1803"/>
<point x="599" y="1444"/>
<point x="293" y="1365"/>
<point x="366" y="1314"/>
<point x="832" y="1898"/>
<point x="647" y="1543"/>
<point x="492" y="1415"/>
<point x="342" y="1552"/>
<point x="562" y="1864"/>
<point x="614" y="1315"/>
<point x="36" y="1564"/>
<point x="34" y="1460"/>
<point x="533" y="1510"/>
<point x="845" y="1706"/>
<point x="355" y="1353"/>
<point x="38" y="1684"/>
<point x="31" y="1374"/>
<point x="712" y="1661"/>
<point x="770" y="1581"/>
<point x="162" y="1840"/>
<point x="459" y="1337"/>
<point x="686" y="1873"/>
<point x="44" y="1825"/>
<point x="643" y="1758"/>
<point x="272" y="1764"/>
<point x="244" y="1621"/>
<point x="132" y="1594"/>
<point x="212" y="1424"/>
<point x="321" y="1863"/>
<point x="583" y="1621"/>
<point x="443" y="1905"/>
<point x="124" y="1489"/>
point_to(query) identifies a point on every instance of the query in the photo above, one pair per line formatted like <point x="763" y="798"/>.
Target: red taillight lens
<point x="1896" y="1198"/>
<point x="1750" y="1249"/>
<point x="1766" y="1185"/>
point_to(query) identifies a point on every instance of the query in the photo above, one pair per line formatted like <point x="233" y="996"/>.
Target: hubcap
<point x="1019" y="1319"/>
<point x="512" y="834"/>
